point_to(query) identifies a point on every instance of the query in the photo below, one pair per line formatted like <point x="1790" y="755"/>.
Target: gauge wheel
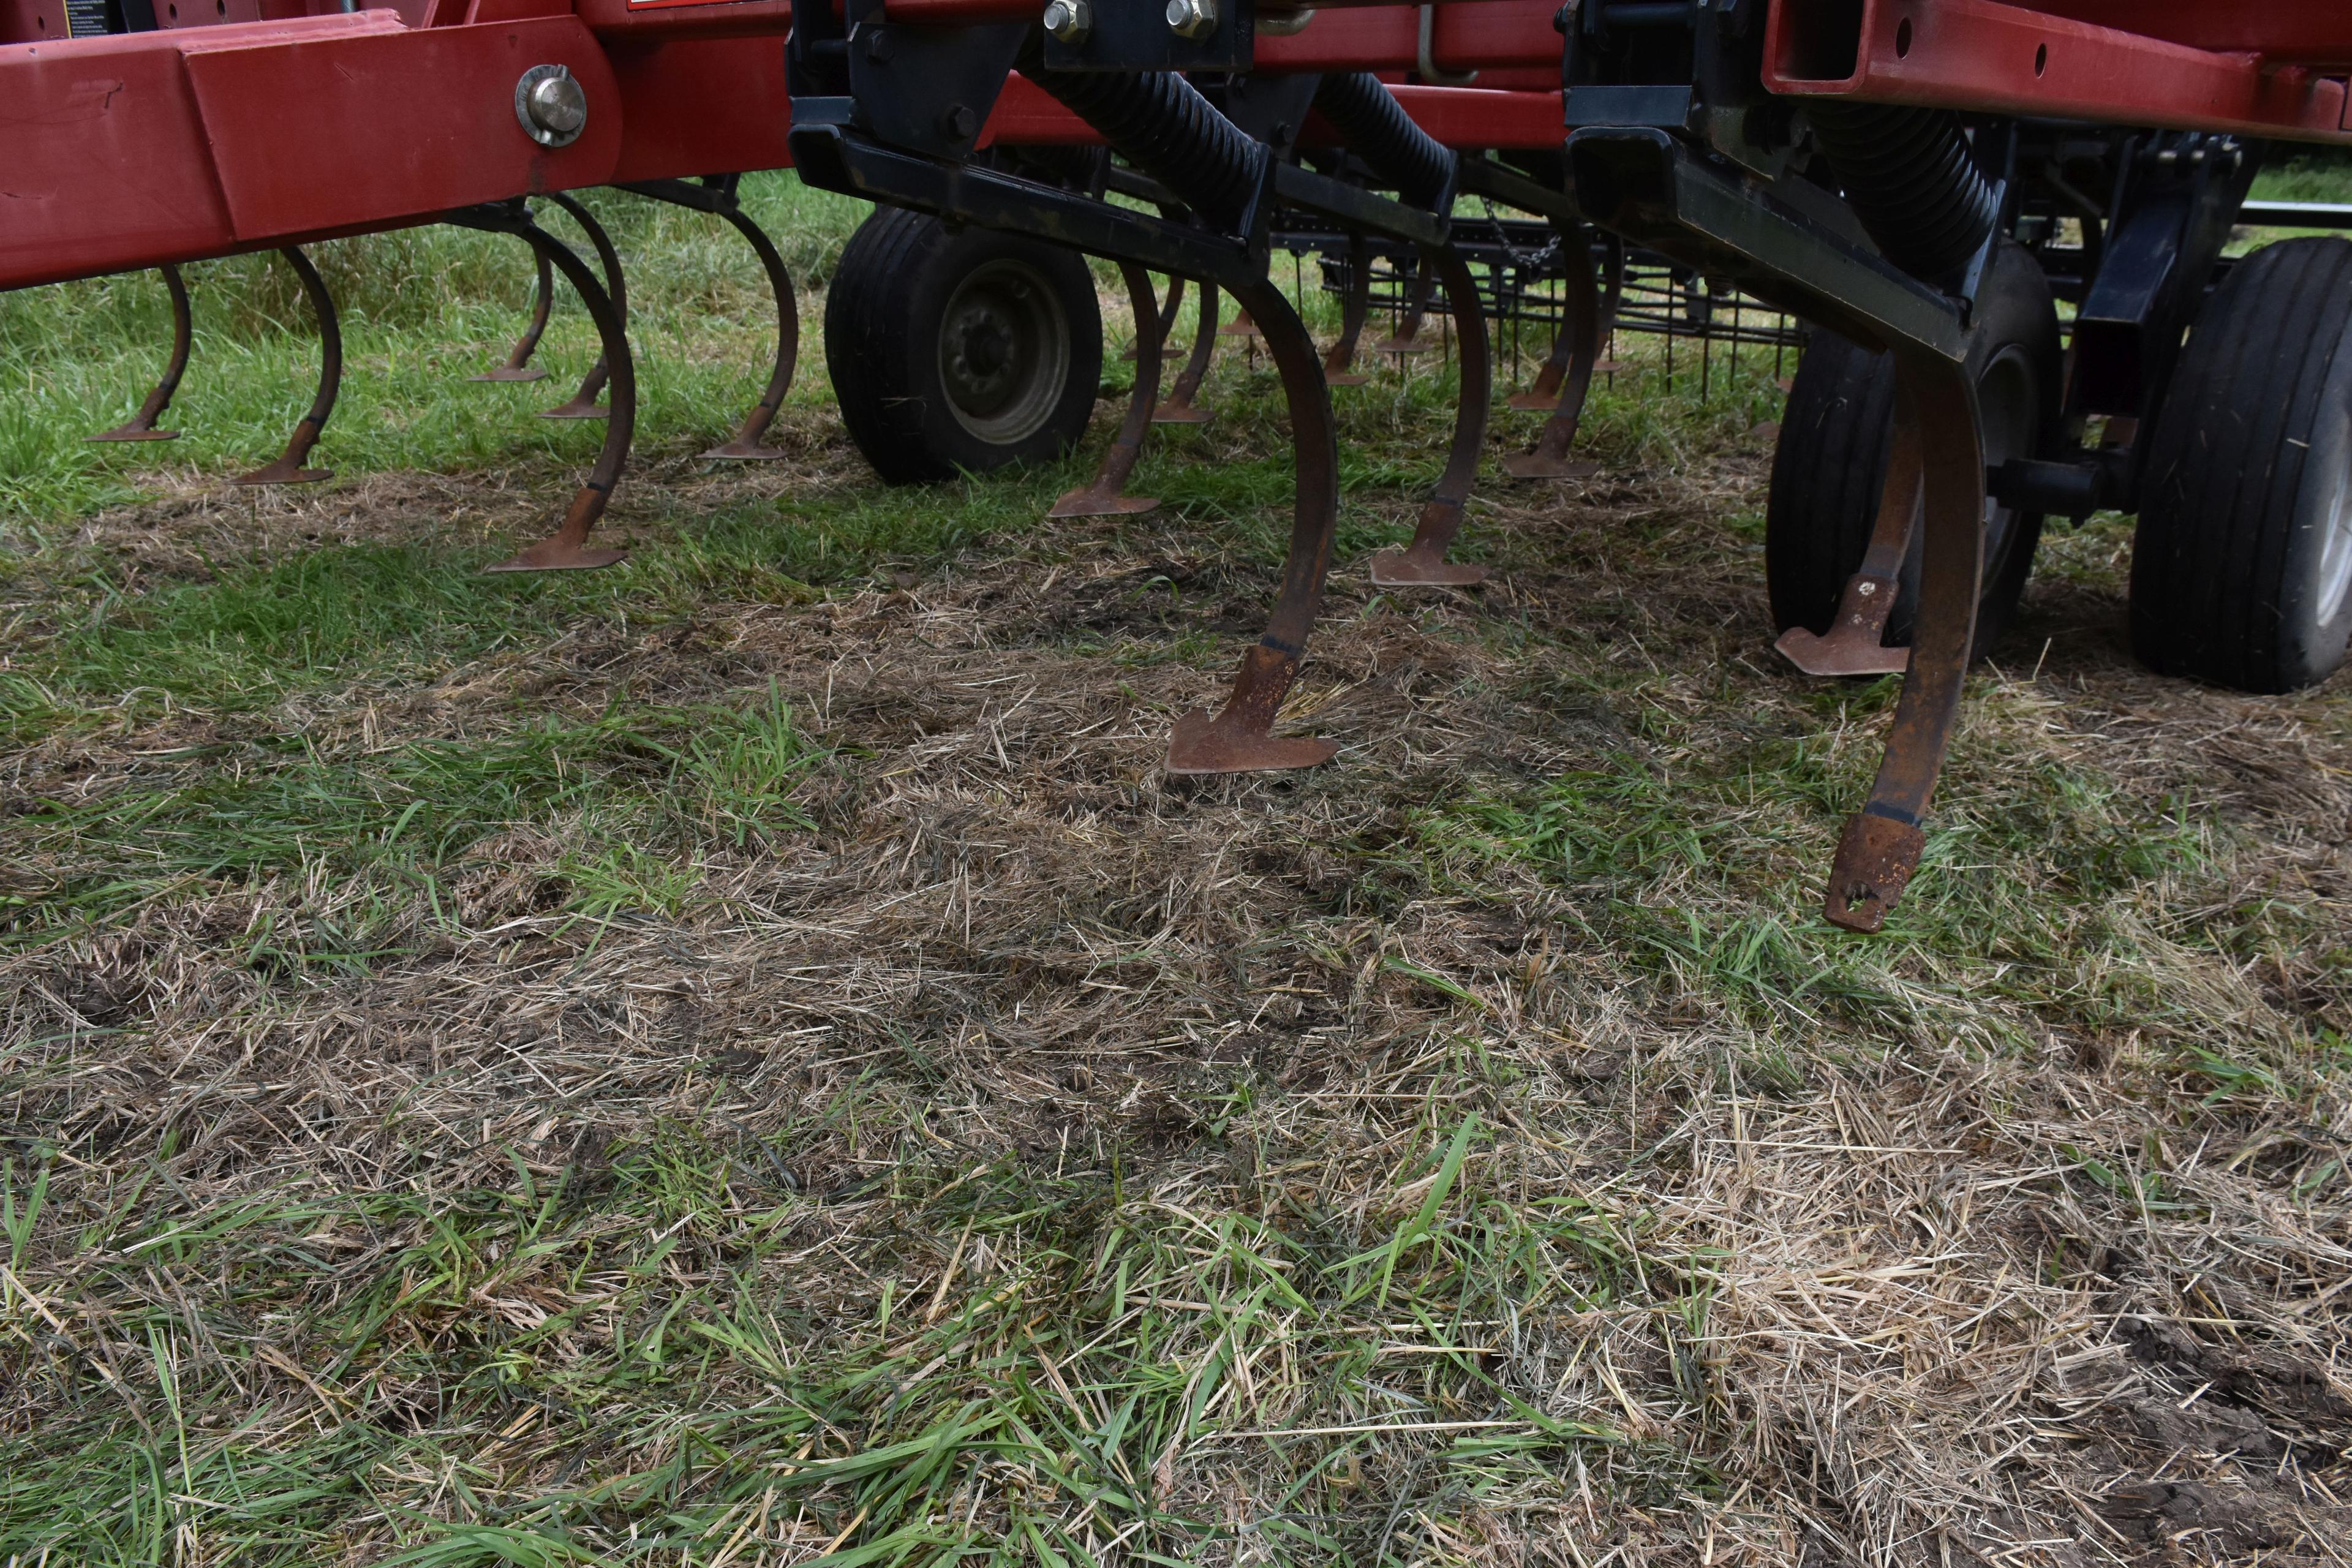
<point x="960" y="349"/>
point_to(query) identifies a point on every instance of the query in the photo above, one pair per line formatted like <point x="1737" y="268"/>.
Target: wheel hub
<point x="1004" y="352"/>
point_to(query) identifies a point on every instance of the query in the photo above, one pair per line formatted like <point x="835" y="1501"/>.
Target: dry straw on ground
<point x="1472" y="1151"/>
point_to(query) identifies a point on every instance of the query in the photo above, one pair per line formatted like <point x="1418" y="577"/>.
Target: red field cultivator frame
<point x="1923" y="181"/>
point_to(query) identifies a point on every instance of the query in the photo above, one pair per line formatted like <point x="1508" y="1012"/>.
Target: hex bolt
<point x="1192" y="18"/>
<point x="550" y="106"/>
<point x="1069" y="21"/>
<point x="960" y="122"/>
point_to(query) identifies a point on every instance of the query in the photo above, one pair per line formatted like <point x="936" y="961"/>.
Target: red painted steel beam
<point x="138" y="148"/>
<point x="1489" y="34"/>
<point x="1982" y="55"/>
<point x="2283" y="32"/>
<point x="1477" y="118"/>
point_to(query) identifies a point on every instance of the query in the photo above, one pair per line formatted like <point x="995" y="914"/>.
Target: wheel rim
<point x="2334" y="521"/>
<point x="1004" y="351"/>
<point x="2008" y="402"/>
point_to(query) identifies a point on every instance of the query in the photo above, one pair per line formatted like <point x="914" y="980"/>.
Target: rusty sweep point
<point x="1851" y="646"/>
<point x="577" y="408"/>
<point x="1423" y="568"/>
<point x="1234" y="741"/>
<point x="1092" y="500"/>
<point x="133" y="431"/>
<point x="1875" y="858"/>
<point x="742" y="451"/>
<point x="1542" y="466"/>
<point x="1220" y="743"/>
<point x="558" y="553"/>
<point x="508" y="373"/>
<point x="1535" y="400"/>
<point x="282" y="472"/>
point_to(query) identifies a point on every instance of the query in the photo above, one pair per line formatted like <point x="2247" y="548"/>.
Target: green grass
<point x="744" y="1057"/>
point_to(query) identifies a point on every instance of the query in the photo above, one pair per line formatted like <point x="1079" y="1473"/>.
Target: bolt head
<point x="1192" y="18"/>
<point x="1069" y="21"/>
<point x="550" y="106"/>
<point x="960" y="122"/>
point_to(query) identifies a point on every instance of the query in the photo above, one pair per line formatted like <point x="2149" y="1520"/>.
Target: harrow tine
<point x="288" y="469"/>
<point x="567" y="549"/>
<point x="1238" y="738"/>
<point x="583" y="404"/>
<point x="1406" y="339"/>
<point x="1423" y="562"/>
<point x="1584" y="330"/>
<point x="1178" y="409"/>
<point x="1357" y="305"/>
<point x="141" y="426"/>
<point x="746" y="444"/>
<point x="518" y="366"/>
<point x="1852" y="646"/>
<point x="1880" y="846"/>
<point x="1101" y="498"/>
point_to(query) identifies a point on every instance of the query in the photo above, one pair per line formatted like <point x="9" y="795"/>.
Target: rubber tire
<point x="1837" y="432"/>
<point x="2251" y="446"/>
<point x="883" y="315"/>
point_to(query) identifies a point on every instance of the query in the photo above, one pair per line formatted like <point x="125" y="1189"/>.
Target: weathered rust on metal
<point x="1238" y="739"/>
<point x="747" y="444"/>
<point x="1423" y="561"/>
<point x="1942" y="398"/>
<point x="1355" y="306"/>
<point x="1854" y="644"/>
<point x="1103" y="496"/>
<point x="1180" y="408"/>
<point x="288" y="469"/>
<point x="1544" y="395"/>
<point x="1585" y="328"/>
<point x="1875" y="858"/>
<point x="1168" y="313"/>
<point x="518" y="365"/>
<point x="1407" y="338"/>
<point x="583" y="404"/>
<point x="567" y="549"/>
<point x="141" y="426"/>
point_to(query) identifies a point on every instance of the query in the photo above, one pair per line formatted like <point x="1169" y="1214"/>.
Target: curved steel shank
<point x="746" y="444"/>
<point x="1178" y="409"/>
<point x="1583" y="331"/>
<point x="1423" y="561"/>
<point x="1355" y="306"/>
<point x="1880" y="847"/>
<point x="583" y="404"/>
<point x="141" y="426"/>
<point x="288" y="469"/>
<point x="1237" y="739"/>
<point x="568" y="549"/>
<point x="518" y="366"/>
<point x="1102" y="497"/>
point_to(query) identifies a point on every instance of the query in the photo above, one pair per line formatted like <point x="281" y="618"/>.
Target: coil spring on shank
<point x="1159" y="123"/>
<point x="1911" y="179"/>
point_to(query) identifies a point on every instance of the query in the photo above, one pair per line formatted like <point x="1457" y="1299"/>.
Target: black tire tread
<point x="863" y="333"/>
<point x="1836" y="436"/>
<point x="2211" y="553"/>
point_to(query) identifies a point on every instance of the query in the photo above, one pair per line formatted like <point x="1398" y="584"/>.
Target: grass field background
<point x="745" y="1058"/>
